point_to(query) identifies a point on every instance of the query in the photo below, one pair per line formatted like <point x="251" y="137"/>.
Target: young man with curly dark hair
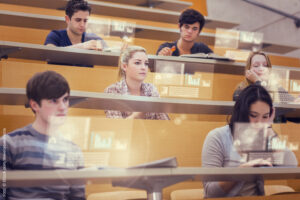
<point x="190" y="24"/>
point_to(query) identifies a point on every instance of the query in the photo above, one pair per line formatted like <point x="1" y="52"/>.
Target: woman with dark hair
<point x="254" y="105"/>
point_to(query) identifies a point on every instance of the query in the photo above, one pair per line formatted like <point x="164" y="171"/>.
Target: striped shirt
<point x="27" y="149"/>
<point x="147" y="89"/>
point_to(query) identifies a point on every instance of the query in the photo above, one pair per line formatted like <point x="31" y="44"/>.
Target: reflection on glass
<point x="277" y="83"/>
<point x="171" y="81"/>
<point x="251" y="40"/>
<point x="169" y="67"/>
<point x="259" y="141"/>
<point x="235" y="42"/>
<point x="99" y="27"/>
<point x="101" y="141"/>
<point x="114" y="32"/>
<point x="295" y="85"/>
<point x="250" y="137"/>
<point x="237" y="54"/>
<point x="184" y="92"/>
<point x="227" y="38"/>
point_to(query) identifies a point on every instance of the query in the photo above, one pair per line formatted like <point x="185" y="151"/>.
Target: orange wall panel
<point x="199" y="5"/>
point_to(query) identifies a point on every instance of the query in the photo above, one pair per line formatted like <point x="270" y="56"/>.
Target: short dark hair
<point x="190" y="16"/>
<point x="248" y="96"/>
<point x="76" y="5"/>
<point x="46" y="85"/>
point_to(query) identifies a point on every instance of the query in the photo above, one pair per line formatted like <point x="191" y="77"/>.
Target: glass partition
<point x="183" y="80"/>
<point x="102" y="143"/>
<point x="236" y="44"/>
<point x="114" y="32"/>
<point x="259" y="141"/>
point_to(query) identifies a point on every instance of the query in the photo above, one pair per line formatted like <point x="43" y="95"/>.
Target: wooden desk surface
<point x="103" y="101"/>
<point x="91" y="57"/>
<point x="28" y="20"/>
<point x="49" y="177"/>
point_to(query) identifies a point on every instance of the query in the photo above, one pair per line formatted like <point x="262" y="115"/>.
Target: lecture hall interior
<point x="181" y="135"/>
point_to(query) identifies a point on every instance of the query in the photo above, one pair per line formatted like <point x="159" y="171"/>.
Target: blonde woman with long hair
<point x="133" y="69"/>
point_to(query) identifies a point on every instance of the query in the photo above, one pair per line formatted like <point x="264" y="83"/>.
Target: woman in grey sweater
<point x="253" y="105"/>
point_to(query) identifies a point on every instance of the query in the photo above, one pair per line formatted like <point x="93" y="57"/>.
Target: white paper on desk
<point x="207" y="56"/>
<point x="112" y="49"/>
<point x="170" y="162"/>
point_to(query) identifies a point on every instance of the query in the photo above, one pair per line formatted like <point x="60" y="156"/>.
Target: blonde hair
<point x="246" y="82"/>
<point x="126" y="54"/>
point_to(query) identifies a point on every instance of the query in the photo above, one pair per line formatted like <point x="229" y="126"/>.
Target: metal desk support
<point x="153" y="185"/>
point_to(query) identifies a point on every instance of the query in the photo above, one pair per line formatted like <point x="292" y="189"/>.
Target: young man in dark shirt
<point x="190" y="24"/>
<point x="77" y="15"/>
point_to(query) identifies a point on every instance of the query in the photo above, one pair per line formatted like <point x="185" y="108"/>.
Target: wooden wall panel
<point x="14" y="122"/>
<point x="1" y="107"/>
<point x="199" y="5"/>
<point x="25" y="35"/>
<point x="16" y="74"/>
<point x="224" y="86"/>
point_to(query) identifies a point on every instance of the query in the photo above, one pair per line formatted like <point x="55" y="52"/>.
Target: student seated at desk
<point x="254" y="105"/>
<point x="133" y="69"/>
<point x="33" y="148"/>
<point x="258" y="69"/>
<point x="77" y="15"/>
<point x="190" y="25"/>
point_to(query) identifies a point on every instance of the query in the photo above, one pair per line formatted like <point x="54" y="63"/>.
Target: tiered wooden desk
<point x="153" y="179"/>
<point x="103" y="101"/>
<point x="124" y="10"/>
<point x="27" y="20"/>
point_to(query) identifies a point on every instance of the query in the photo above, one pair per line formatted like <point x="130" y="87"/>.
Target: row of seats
<point x="184" y="194"/>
